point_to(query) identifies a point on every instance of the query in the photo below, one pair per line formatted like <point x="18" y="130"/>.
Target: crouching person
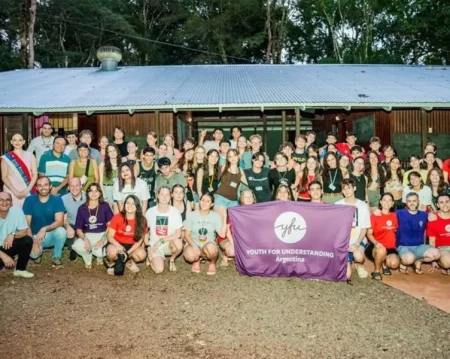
<point x="45" y="216"/>
<point x="14" y="238"/>
<point x="202" y="228"/>
<point x="126" y="233"/>
<point x="165" y="225"/>
<point x="91" y="224"/>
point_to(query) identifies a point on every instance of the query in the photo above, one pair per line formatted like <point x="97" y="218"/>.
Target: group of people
<point x="121" y="204"/>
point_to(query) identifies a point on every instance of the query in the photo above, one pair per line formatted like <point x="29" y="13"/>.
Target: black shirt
<point x="259" y="183"/>
<point x="276" y="178"/>
<point x="148" y="175"/>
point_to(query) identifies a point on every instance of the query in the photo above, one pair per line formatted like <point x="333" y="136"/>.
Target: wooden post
<point x="424" y="128"/>
<point x="157" y="126"/>
<point x="25" y="131"/>
<point x="264" y="131"/>
<point x="297" y="121"/>
<point x="283" y="126"/>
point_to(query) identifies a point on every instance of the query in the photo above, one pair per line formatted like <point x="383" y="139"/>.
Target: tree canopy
<point x="67" y="33"/>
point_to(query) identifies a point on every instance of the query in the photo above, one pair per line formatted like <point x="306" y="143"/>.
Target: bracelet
<point x="147" y="246"/>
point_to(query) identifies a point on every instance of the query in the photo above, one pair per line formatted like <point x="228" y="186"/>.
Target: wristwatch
<point x="13" y="233"/>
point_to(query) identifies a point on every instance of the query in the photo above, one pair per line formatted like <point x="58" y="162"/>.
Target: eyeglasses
<point x="7" y="200"/>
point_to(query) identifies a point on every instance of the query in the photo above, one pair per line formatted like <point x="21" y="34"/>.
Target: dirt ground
<point x="76" y="313"/>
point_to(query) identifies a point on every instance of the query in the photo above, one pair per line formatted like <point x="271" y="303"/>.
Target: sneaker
<point x="362" y="273"/>
<point x="110" y="271"/>
<point x="38" y="260"/>
<point x="56" y="263"/>
<point x="23" y="274"/>
<point x="73" y="256"/>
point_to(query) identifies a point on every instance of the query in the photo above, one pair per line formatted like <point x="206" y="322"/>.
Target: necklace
<point x="282" y="179"/>
<point x="46" y="145"/>
<point x="332" y="180"/>
<point x="93" y="218"/>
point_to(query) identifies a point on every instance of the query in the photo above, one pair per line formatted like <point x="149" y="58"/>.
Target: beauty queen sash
<point x="19" y="168"/>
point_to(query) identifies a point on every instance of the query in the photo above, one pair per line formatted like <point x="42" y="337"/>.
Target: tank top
<point x="361" y="184"/>
<point x="209" y="183"/>
<point x="229" y="185"/>
<point x="148" y="176"/>
<point x="183" y="214"/>
<point x="79" y="172"/>
<point x="333" y="179"/>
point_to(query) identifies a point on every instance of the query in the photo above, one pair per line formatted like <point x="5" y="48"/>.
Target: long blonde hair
<point x="196" y="164"/>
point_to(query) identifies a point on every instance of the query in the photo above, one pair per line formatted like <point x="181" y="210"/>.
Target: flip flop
<point x="376" y="276"/>
<point x="211" y="270"/>
<point x="417" y="269"/>
<point x="195" y="267"/>
<point x="387" y="271"/>
<point x="403" y="269"/>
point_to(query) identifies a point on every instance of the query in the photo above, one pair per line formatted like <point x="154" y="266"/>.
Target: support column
<point x="283" y="126"/>
<point x="297" y="121"/>
<point x="264" y="131"/>
<point x="158" y="134"/>
<point x="424" y="126"/>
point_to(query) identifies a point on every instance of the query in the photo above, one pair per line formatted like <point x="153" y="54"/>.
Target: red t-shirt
<point x="124" y="229"/>
<point x="384" y="228"/>
<point x="439" y="229"/>
<point x="446" y="166"/>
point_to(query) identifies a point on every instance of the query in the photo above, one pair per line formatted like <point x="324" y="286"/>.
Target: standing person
<point x="415" y="184"/>
<point x="242" y="148"/>
<point x="331" y="178"/>
<point x="436" y="182"/>
<point x="172" y="152"/>
<point x="431" y="147"/>
<point x="361" y="223"/>
<point x="282" y="175"/>
<point x="126" y="234"/>
<point x="256" y="144"/>
<point x="439" y="232"/>
<point x="131" y="157"/>
<point x="288" y="149"/>
<point x="315" y="190"/>
<point x="258" y="178"/>
<point x="127" y="184"/>
<point x="84" y="168"/>
<point x="393" y="182"/>
<point x="19" y="172"/>
<point x="43" y="143"/>
<point x="345" y="148"/>
<point x="72" y="141"/>
<point x="166" y="177"/>
<point x="310" y="173"/>
<point x="14" y="238"/>
<point x="119" y="140"/>
<point x="235" y="133"/>
<point x="86" y="136"/>
<point x="147" y="173"/>
<point x="152" y="142"/>
<point x="389" y="154"/>
<point x="202" y="228"/>
<point x="208" y="176"/>
<point x="381" y="248"/>
<point x="186" y="166"/>
<point x="331" y="140"/>
<point x="375" y="145"/>
<point x="91" y="224"/>
<point x="162" y="151"/>
<point x="103" y="145"/>
<point x="430" y="161"/>
<point x="411" y="236"/>
<point x="415" y="166"/>
<point x="55" y="165"/>
<point x="344" y="165"/>
<point x="109" y="172"/>
<point x="215" y="143"/>
<point x="360" y="179"/>
<point x="223" y="150"/>
<point x="45" y="217"/>
<point x="375" y="179"/>
<point x="72" y="202"/>
<point x="165" y="225"/>
<point x="310" y="138"/>
<point x="199" y="163"/>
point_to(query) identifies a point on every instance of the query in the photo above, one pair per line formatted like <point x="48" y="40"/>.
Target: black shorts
<point x="369" y="251"/>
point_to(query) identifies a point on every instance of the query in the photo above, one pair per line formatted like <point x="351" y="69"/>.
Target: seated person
<point x="45" y="216"/>
<point x="14" y="238"/>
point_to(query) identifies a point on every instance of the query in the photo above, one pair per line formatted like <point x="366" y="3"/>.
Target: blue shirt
<point x="55" y="168"/>
<point x="411" y="228"/>
<point x="13" y="222"/>
<point x="42" y="214"/>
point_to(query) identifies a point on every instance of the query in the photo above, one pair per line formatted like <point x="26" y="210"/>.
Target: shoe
<point x="172" y="267"/>
<point x="211" y="269"/>
<point x="132" y="267"/>
<point x="362" y="273"/>
<point x="88" y="266"/>
<point x="376" y="276"/>
<point x="56" y="263"/>
<point x="73" y="256"/>
<point x="387" y="271"/>
<point x="23" y="274"/>
<point x="99" y="261"/>
<point x="38" y="260"/>
<point x="110" y="271"/>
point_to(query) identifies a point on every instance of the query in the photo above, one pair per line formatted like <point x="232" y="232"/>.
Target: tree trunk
<point x="269" y="32"/>
<point x="24" y="24"/>
<point x="32" y="17"/>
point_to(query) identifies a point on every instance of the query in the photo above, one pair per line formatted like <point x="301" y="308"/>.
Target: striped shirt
<point x="55" y="168"/>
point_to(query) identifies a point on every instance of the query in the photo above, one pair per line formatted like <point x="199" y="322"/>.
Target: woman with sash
<point x="19" y="171"/>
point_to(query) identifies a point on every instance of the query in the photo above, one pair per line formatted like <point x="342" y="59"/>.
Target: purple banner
<point x="285" y="239"/>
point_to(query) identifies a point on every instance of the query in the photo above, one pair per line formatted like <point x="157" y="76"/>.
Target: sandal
<point x="403" y="269"/>
<point x="195" y="267"/>
<point x="376" y="275"/>
<point x="417" y="268"/>
<point x="132" y="267"/>
<point x="387" y="271"/>
<point x="172" y="267"/>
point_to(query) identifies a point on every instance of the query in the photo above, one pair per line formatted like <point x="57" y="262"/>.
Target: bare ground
<point x="76" y="313"/>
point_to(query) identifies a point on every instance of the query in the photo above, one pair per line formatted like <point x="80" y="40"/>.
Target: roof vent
<point x="110" y="57"/>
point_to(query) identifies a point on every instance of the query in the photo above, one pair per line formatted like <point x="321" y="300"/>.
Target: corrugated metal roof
<point x="225" y="86"/>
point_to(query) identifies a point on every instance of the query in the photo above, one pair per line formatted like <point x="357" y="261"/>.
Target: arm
<point x="6" y="181"/>
<point x="120" y="205"/>
<point x="201" y="139"/>
<point x="110" y="232"/>
<point x="136" y="169"/>
<point x="362" y="235"/>
<point x="101" y="174"/>
<point x="55" y="190"/>
<point x="370" y="237"/>
<point x="68" y="227"/>
<point x="71" y="169"/>
<point x="188" y="238"/>
<point x="59" y="222"/>
<point x="243" y="177"/>
<point x="200" y="174"/>
<point x="95" y="168"/>
<point x="432" y="241"/>
<point x="34" y="174"/>
<point x="176" y="235"/>
<point x="144" y="206"/>
<point x="136" y="245"/>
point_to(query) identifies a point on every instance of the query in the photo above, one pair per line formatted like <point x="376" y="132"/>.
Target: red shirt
<point x="119" y="224"/>
<point x="384" y="228"/>
<point x="344" y="149"/>
<point x="440" y="230"/>
<point x="446" y="166"/>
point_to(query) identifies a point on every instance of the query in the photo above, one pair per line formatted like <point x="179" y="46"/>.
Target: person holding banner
<point x="361" y="223"/>
<point x="315" y="190"/>
<point x="381" y="248"/>
<point x="19" y="171"/>
<point x="202" y="227"/>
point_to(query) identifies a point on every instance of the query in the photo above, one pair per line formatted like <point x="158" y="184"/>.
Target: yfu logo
<point x="290" y="227"/>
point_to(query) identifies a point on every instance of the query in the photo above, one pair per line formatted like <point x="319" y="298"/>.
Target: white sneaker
<point x="362" y="273"/>
<point x="23" y="274"/>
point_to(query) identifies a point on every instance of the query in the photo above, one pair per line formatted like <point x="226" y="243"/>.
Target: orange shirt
<point x="384" y="228"/>
<point x="124" y="229"/>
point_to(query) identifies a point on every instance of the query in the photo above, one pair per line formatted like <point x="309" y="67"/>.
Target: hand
<point x="22" y="194"/>
<point x="36" y="249"/>
<point x="203" y="134"/>
<point x="99" y="244"/>
<point x="70" y="231"/>
<point x="87" y="245"/>
<point x="83" y="180"/>
<point x="353" y="248"/>
<point x="40" y="235"/>
<point x="377" y="212"/>
<point x="120" y="248"/>
<point x="7" y="244"/>
<point x="7" y="261"/>
<point x="434" y="265"/>
<point x="432" y="217"/>
<point x="55" y="191"/>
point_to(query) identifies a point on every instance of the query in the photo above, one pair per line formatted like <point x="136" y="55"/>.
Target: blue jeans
<point x="56" y="240"/>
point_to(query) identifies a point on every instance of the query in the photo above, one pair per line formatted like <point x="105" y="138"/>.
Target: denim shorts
<point x="418" y="251"/>
<point x="220" y="201"/>
<point x="350" y="257"/>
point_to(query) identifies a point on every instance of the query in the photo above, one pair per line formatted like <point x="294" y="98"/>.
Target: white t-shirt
<point x="39" y="146"/>
<point x="161" y="224"/>
<point x="424" y="194"/>
<point x="140" y="190"/>
<point x="361" y="220"/>
<point x="210" y="145"/>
